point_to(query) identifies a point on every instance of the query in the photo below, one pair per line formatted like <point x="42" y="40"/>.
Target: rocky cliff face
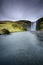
<point x="39" y="24"/>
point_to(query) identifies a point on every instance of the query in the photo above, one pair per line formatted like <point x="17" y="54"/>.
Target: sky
<point x="21" y="9"/>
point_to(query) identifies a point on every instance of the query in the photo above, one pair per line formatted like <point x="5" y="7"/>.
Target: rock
<point x="5" y="31"/>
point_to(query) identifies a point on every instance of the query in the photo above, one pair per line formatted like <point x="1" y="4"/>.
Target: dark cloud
<point x="21" y="9"/>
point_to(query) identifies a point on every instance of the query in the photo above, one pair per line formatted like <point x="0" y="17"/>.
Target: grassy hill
<point x="14" y="26"/>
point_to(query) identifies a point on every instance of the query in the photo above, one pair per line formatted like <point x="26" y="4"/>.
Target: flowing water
<point x="33" y="26"/>
<point x="22" y="48"/>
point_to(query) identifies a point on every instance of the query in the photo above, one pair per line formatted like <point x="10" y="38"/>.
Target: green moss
<point x="12" y="27"/>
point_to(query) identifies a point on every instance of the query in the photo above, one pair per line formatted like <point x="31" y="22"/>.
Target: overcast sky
<point x="21" y="9"/>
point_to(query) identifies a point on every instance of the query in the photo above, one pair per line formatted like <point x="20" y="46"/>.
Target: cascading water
<point x="33" y="26"/>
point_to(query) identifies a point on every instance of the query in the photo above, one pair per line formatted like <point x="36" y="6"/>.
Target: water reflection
<point x="40" y="37"/>
<point x="21" y="49"/>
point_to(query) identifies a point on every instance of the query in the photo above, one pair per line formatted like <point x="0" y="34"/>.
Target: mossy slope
<point x="14" y="26"/>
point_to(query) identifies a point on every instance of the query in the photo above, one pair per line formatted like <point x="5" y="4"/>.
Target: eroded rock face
<point x="39" y="24"/>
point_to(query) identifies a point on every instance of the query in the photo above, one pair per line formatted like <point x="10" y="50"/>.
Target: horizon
<point x="20" y="20"/>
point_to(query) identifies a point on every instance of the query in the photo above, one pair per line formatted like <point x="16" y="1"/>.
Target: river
<point x="22" y="48"/>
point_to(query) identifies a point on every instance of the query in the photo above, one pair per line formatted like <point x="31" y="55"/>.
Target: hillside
<point x="14" y="26"/>
<point x="39" y="24"/>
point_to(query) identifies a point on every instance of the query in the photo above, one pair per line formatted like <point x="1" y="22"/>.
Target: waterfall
<point x="33" y="26"/>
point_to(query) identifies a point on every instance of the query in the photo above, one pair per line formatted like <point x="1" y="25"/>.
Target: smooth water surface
<point x="22" y="48"/>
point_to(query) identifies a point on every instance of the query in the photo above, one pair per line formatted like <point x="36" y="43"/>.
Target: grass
<point x="12" y="26"/>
